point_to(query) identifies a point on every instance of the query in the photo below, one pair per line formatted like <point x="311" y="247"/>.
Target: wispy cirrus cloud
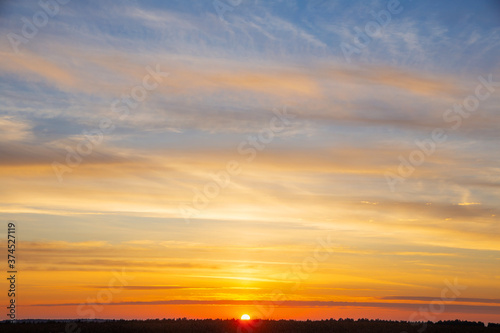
<point x="15" y="130"/>
<point x="454" y="308"/>
<point x="427" y="299"/>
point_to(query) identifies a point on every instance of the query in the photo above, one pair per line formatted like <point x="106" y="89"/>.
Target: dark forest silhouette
<point x="253" y="326"/>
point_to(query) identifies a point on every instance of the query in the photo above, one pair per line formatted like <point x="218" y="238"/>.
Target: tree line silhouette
<point x="182" y="325"/>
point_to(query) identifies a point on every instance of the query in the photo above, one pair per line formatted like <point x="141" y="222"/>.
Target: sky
<point x="286" y="159"/>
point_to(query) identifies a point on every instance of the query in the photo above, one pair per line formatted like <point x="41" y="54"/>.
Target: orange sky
<point x="160" y="163"/>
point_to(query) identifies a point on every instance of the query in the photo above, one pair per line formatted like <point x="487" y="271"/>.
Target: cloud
<point x="32" y="66"/>
<point x="429" y="299"/>
<point x="14" y="130"/>
<point x="449" y="308"/>
<point x="150" y="287"/>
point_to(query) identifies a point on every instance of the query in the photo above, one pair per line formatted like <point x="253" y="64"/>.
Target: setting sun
<point x="245" y="317"/>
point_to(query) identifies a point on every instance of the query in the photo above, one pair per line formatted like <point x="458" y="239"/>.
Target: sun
<point x="245" y="317"/>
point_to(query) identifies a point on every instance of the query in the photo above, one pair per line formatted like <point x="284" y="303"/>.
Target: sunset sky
<point x="285" y="159"/>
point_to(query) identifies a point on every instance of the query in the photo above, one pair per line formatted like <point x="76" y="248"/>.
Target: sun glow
<point x="245" y="317"/>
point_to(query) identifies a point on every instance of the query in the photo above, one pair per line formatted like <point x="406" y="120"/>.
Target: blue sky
<point x="205" y="86"/>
